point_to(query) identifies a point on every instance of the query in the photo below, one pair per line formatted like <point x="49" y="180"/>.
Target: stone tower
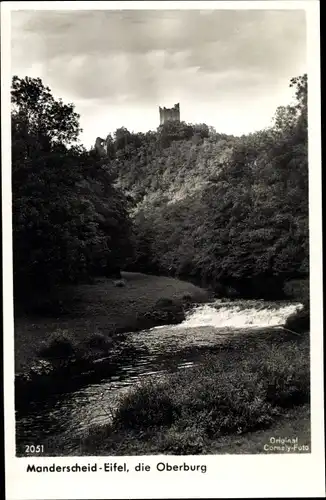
<point x="170" y="114"/>
<point x="100" y="147"/>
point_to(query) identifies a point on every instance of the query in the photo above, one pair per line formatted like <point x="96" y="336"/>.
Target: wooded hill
<point x="226" y="212"/>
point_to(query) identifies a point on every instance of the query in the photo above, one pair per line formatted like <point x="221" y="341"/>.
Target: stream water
<point x="66" y="416"/>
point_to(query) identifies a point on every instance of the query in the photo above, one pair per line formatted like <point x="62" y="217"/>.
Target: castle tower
<point x="170" y="114"/>
<point x="100" y="146"/>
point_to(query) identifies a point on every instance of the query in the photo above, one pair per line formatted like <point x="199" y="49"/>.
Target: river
<point x="64" y="417"/>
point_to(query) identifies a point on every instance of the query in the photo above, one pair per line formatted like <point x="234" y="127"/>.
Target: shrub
<point x="187" y="301"/>
<point x="165" y="311"/>
<point x="299" y="321"/>
<point x="173" y="309"/>
<point x="98" y="341"/>
<point x="286" y="374"/>
<point x="221" y="401"/>
<point x="58" y="347"/>
<point x="147" y="406"/>
<point x="220" y="397"/>
<point x="119" y="283"/>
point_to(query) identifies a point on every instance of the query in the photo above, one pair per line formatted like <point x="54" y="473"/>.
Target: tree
<point x="174" y="131"/>
<point x="35" y="108"/>
<point x="67" y="215"/>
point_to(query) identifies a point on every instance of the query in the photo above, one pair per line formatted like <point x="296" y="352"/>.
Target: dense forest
<point x="70" y="222"/>
<point x="226" y="212"/>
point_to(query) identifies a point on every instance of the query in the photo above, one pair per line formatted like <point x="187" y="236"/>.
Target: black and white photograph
<point x="161" y="235"/>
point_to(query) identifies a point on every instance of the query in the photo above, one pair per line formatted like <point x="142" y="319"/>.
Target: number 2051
<point x="32" y="448"/>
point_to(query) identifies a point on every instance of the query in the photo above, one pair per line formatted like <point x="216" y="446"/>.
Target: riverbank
<point x="295" y="422"/>
<point x="234" y="402"/>
<point x="88" y="316"/>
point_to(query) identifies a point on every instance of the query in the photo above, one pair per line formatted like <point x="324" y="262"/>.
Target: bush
<point x="187" y="300"/>
<point x="224" y="402"/>
<point x="287" y="376"/>
<point x="220" y="397"/>
<point x="119" y="283"/>
<point x="98" y="341"/>
<point x="173" y="308"/>
<point x="148" y="406"/>
<point x="299" y="321"/>
<point x="165" y="312"/>
<point x="58" y="347"/>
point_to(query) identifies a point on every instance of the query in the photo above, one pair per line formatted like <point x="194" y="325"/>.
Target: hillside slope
<point x="229" y="212"/>
<point x="156" y="173"/>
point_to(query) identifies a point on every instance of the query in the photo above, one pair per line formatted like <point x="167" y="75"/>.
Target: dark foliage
<point x="69" y="221"/>
<point x="217" y="398"/>
<point x="300" y="321"/>
<point x="227" y="212"/>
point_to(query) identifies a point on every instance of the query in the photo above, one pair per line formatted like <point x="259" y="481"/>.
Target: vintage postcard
<point x="162" y="249"/>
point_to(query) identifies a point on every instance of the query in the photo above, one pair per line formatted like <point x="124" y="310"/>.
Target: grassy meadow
<point x="82" y="313"/>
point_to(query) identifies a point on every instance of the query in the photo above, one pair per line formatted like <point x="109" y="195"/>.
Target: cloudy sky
<point x="229" y="69"/>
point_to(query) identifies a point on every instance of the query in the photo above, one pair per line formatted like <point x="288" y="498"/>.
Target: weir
<point x="239" y="314"/>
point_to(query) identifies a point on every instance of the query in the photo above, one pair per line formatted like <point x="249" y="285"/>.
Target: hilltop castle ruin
<point x="166" y="115"/>
<point x="170" y="114"/>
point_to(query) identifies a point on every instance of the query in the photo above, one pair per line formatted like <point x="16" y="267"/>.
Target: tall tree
<point x="67" y="217"/>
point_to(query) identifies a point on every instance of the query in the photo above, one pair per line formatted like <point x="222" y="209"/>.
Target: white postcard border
<point x="228" y="476"/>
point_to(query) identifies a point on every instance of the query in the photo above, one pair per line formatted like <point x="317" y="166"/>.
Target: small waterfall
<point x="239" y="314"/>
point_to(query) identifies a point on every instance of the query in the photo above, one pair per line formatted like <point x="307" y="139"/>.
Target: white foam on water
<point x="240" y="314"/>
